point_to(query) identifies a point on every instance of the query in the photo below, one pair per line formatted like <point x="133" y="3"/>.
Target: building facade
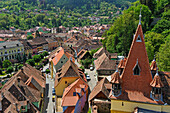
<point x="9" y="50"/>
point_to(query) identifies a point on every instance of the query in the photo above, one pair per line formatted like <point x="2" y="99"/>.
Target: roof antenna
<point x="140" y="16"/>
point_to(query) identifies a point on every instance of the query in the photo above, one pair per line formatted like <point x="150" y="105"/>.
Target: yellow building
<point x="65" y="76"/>
<point x="9" y="50"/>
<point x="135" y="90"/>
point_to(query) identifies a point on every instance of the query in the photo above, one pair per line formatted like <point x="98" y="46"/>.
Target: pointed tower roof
<point x="122" y="63"/>
<point x="115" y="77"/>
<point x="153" y="65"/>
<point x="140" y="82"/>
<point x="156" y="82"/>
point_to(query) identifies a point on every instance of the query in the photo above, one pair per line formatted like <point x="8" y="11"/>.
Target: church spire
<point x="140" y="16"/>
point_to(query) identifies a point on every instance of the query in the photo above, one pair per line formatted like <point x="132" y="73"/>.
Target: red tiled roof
<point x="122" y="63"/>
<point x="153" y="65"/>
<point x="115" y="77"/>
<point x="70" y="101"/>
<point x="104" y="63"/>
<point x="100" y="87"/>
<point x="138" y="52"/>
<point x="134" y="96"/>
<point x="58" y="55"/>
<point x="1" y="39"/>
<point x="74" y="87"/>
<point x="156" y="82"/>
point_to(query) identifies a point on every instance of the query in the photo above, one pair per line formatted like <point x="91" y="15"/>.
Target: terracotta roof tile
<point x="122" y="63"/>
<point x="100" y="87"/>
<point x="104" y="63"/>
<point x="153" y="66"/>
<point x="58" y="56"/>
<point x="138" y="53"/>
<point x="115" y="77"/>
<point x="69" y="69"/>
<point x="74" y="87"/>
<point x="156" y="82"/>
<point x="134" y="96"/>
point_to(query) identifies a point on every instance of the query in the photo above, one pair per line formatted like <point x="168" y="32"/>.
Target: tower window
<point x="138" y="39"/>
<point x="136" y="69"/>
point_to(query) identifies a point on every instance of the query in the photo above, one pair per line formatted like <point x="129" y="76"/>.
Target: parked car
<point x="53" y="91"/>
<point x="88" y="77"/>
<point x="91" y="67"/>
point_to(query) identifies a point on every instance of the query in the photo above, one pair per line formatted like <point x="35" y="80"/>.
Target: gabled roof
<point x="138" y="53"/>
<point x="58" y="55"/>
<point x="18" y="93"/>
<point x="122" y="63"/>
<point x="103" y="50"/>
<point x="104" y="63"/>
<point x="81" y="53"/>
<point x="156" y="82"/>
<point x="153" y="66"/>
<point x="115" y="78"/>
<point x="74" y="87"/>
<point x="28" y="72"/>
<point x="69" y="69"/>
<point x="100" y="87"/>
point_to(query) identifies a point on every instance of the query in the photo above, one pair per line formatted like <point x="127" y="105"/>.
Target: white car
<point x="88" y="77"/>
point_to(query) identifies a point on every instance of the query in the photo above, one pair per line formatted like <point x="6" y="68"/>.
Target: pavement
<point x="48" y="104"/>
<point x="93" y="75"/>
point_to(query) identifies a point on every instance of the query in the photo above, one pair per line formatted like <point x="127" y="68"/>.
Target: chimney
<point x="19" y="79"/>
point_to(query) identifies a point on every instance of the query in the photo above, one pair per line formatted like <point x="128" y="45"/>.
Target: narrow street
<point x="92" y="74"/>
<point x="48" y="104"/>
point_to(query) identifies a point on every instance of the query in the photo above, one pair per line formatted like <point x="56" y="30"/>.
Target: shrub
<point x="36" y="58"/>
<point x="9" y="70"/>
<point x="31" y="62"/>
<point x="47" y="71"/>
<point x="6" y="63"/>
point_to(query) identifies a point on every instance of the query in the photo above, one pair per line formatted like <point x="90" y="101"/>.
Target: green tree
<point x="150" y="51"/>
<point x="45" y="53"/>
<point x="9" y="70"/>
<point x="1" y="63"/>
<point x="16" y="68"/>
<point x="47" y="71"/>
<point x="29" y="37"/>
<point x="0" y="71"/>
<point x="24" y="57"/>
<point x="42" y="55"/>
<point x="36" y="58"/>
<point x="31" y="62"/>
<point x="163" y="57"/>
<point x="6" y="63"/>
<point x="29" y="56"/>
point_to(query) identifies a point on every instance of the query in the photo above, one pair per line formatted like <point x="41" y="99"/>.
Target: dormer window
<point x="136" y="69"/>
<point x="116" y="89"/>
<point x="138" y="39"/>
<point x="156" y="93"/>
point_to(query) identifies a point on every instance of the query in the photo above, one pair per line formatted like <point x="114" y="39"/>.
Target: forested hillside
<point x="26" y="14"/>
<point x="155" y="25"/>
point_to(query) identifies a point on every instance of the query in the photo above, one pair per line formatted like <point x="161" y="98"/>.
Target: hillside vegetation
<point x="155" y="25"/>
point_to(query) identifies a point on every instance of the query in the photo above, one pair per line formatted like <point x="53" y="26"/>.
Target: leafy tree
<point x="36" y="58"/>
<point x="29" y="56"/>
<point x="0" y="71"/>
<point x="10" y="70"/>
<point x="20" y="66"/>
<point x="155" y="39"/>
<point x="24" y="57"/>
<point x="6" y="63"/>
<point x="163" y="57"/>
<point x="150" y="51"/>
<point x="29" y="37"/>
<point x="45" y="53"/>
<point x="1" y="63"/>
<point x="42" y="55"/>
<point x="47" y="71"/>
<point x="31" y="62"/>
